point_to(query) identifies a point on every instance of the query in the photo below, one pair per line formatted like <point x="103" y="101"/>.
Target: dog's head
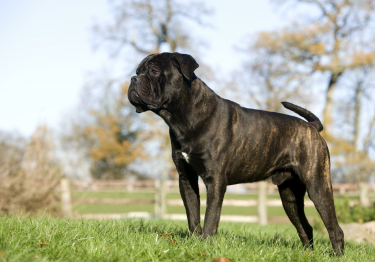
<point x="159" y="80"/>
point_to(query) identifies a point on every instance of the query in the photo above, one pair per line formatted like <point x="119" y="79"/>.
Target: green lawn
<point x="46" y="239"/>
<point x="116" y="195"/>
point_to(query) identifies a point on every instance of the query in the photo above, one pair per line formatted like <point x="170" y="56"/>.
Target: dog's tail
<point x="313" y="120"/>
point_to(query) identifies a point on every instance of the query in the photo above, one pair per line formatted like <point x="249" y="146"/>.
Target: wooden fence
<point x="362" y="190"/>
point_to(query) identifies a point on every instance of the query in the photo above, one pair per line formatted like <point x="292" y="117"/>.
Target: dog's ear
<point x="186" y="64"/>
<point x="144" y="61"/>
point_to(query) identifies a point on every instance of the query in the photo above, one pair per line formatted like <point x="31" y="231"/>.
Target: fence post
<point x="262" y="203"/>
<point x="363" y="194"/>
<point x="130" y="186"/>
<point x="162" y="186"/>
<point x="66" y="200"/>
<point x="157" y="198"/>
<point x="342" y="191"/>
<point x="163" y="196"/>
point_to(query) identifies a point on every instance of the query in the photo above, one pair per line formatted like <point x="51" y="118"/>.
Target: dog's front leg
<point x="189" y="190"/>
<point x="216" y="187"/>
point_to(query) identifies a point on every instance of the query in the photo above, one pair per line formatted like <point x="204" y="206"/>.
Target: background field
<point x="45" y="239"/>
<point x="273" y="211"/>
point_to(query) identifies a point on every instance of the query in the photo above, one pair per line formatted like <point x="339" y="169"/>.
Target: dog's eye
<point x="155" y="72"/>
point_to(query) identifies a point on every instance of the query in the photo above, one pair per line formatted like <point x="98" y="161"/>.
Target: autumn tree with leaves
<point x="331" y="48"/>
<point x="267" y="77"/>
<point x="113" y="134"/>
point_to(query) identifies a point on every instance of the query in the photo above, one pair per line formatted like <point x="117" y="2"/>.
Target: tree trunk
<point x="327" y="112"/>
<point x="358" y="97"/>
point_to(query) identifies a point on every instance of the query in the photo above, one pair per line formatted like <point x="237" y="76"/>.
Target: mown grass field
<point x="227" y="210"/>
<point x="46" y="239"/>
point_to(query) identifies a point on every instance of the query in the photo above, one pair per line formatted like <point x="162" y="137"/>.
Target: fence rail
<point x="339" y="189"/>
<point x="362" y="190"/>
<point x="174" y="184"/>
<point x="177" y="202"/>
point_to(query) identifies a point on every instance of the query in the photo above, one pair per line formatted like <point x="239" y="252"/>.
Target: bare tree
<point x="144" y="25"/>
<point x="110" y="129"/>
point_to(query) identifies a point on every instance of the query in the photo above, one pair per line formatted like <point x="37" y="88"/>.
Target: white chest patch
<point x="185" y="156"/>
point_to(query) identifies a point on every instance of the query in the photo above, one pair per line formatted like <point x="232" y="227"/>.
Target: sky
<point x="46" y="52"/>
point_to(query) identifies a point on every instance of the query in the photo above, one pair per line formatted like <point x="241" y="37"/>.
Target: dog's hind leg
<point x="216" y="187"/>
<point x="320" y="193"/>
<point x="292" y="193"/>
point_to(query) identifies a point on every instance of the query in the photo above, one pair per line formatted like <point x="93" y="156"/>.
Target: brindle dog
<point x="225" y="144"/>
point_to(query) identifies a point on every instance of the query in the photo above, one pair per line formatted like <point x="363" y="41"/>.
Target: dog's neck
<point x="184" y="120"/>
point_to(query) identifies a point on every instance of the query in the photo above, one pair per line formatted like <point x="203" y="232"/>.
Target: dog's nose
<point x="134" y="79"/>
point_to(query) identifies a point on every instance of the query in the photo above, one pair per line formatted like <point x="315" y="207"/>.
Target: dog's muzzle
<point x="134" y="97"/>
<point x="136" y="92"/>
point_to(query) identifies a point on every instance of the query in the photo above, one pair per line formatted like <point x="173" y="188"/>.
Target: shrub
<point x="356" y="213"/>
<point x="29" y="175"/>
<point x="348" y="214"/>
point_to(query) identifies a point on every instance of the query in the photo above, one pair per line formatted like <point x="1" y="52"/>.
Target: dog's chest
<point x="185" y="156"/>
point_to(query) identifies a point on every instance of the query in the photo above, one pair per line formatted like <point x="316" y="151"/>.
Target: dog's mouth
<point x="140" y="105"/>
<point x="137" y="102"/>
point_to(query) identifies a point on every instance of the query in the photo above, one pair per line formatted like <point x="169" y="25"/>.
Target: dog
<point x="226" y="144"/>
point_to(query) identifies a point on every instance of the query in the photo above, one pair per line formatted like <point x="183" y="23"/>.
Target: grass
<point x="46" y="239"/>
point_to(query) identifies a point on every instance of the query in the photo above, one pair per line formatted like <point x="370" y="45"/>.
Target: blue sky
<point x="45" y="52"/>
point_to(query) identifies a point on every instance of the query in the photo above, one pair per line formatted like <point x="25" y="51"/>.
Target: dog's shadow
<point x="289" y="240"/>
<point x="158" y="227"/>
